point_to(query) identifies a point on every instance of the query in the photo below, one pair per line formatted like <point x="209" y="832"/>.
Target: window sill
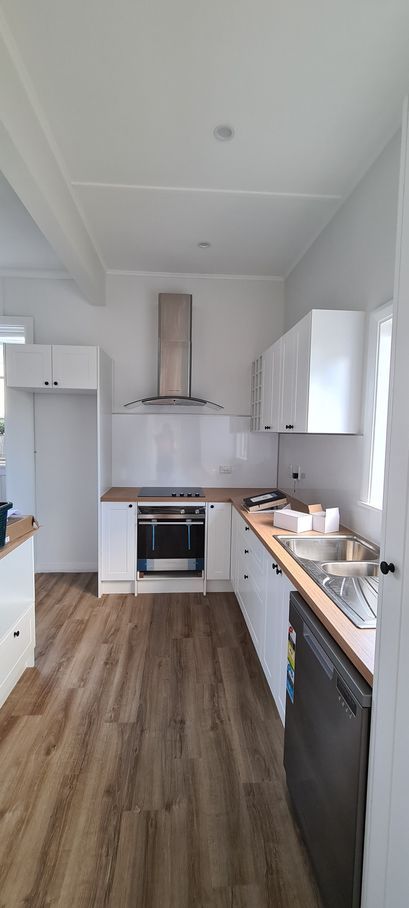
<point x="369" y="507"/>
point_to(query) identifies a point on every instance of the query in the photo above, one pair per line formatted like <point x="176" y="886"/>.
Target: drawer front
<point x="15" y="643"/>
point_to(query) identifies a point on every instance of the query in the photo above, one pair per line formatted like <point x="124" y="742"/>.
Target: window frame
<point x="7" y="323"/>
<point x="376" y="319"/>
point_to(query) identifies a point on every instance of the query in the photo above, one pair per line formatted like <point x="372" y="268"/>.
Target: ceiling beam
<point x="30" y="161"/>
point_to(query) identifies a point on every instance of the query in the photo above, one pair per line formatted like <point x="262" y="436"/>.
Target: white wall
<point x="350" y="266"/>
<point x="181" y="449"/>
<point x="233" y="320"/>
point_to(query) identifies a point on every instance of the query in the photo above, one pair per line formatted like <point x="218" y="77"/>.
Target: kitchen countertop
<point x="357" y="643"/>
<point x="10" y="546"/>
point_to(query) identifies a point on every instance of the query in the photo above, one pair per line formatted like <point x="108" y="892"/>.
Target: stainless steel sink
<point x="345" y="567"/>
<point x="351" y="568"/>
<point x="329" y="548"/>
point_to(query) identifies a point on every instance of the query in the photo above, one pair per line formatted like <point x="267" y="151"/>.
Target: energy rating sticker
<point x="292" y="643"/>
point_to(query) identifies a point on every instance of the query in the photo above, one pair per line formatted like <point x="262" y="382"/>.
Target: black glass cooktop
<point x="171" y="492"/>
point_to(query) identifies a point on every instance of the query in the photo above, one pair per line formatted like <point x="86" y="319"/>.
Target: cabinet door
<point x="278" y="589"/>
<point x="118" y="540"/>
<point x="277" y="358"/>
<point x="28" y="366"/>
<point x="267" y="391"/>
<point x="295" y="377"/>
<point x="218" y="541"/>
<point x="74" y="367"/>
<point x="289" y="375"/>
<point x="282" y="644"/>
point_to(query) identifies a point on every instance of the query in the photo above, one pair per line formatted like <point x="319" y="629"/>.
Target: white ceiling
<point x="133" y="90"/>
<point x="23" y="248"/>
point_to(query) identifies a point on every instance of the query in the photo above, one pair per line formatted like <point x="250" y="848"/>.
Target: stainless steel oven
<point x="171" y="540"/>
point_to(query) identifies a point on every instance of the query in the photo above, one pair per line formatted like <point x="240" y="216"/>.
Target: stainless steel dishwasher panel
<point x="326" y="756"/>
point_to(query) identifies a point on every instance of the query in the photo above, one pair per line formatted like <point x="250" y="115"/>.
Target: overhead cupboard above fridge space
<point x="59" y="447"/>
<point x="310" y="380"/>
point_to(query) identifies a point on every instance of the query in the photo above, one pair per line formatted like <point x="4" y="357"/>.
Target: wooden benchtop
<point x="357" y="643"/>
<point x="131" y="493"/>
<point x="10" y="546"/>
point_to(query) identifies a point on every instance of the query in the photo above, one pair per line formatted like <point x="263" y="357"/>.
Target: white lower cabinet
<point x="218" y="522"/>
<point x="263" y="596"/>
<point x="274" y="658"/>
<point x="118" y="548"/>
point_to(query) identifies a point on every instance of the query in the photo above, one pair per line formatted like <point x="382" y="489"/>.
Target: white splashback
<point x="184" y="449"/>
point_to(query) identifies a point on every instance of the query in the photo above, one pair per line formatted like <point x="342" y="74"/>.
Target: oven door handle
<point x="170" y="523"/>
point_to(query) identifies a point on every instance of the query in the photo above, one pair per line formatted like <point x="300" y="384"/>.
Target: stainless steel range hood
<point x="174" y="355"/>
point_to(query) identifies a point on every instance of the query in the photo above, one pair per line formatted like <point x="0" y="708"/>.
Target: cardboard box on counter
<point x="20" y="526"/>
<point x="324" y="521"/>
<point x="296" y="521"/>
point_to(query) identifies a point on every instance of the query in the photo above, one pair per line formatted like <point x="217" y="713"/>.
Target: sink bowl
<point x="345" y="567"/>
<point x="329" y="548"/>
<point x="351" y="568"/>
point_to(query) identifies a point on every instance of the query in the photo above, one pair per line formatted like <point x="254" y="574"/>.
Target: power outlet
<point x="294" y="472"/>
<point x="225" y="468"/>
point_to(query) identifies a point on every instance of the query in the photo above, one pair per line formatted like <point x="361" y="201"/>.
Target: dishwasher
<point x="326" y="741"/>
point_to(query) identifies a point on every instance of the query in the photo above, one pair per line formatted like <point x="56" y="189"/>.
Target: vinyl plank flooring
<point x="141" y="761"/>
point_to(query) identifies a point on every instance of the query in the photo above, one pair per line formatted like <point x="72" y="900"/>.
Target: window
<point x="13" y="330"/>
<point x="379" y="359"/>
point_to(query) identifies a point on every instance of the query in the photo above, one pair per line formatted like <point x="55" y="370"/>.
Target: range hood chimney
<point x="175" y="355"/>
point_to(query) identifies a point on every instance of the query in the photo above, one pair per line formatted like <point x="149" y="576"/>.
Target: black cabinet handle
<point x="246" y="529"/>
<point x="55" y="383"/>
<point x="387" y="568"/>
<point x="16" y="633"/>
<point x="278" y="570"/>
<point x="246" y="576"/>
<point x="267" y="427"/>
<point x="274" y="566"/>
<point x="130" y="505"/>
<point x="246" y="551"/>
<point x="289" y="426"/>
<point x="46" y="382"/>
<point x="212" y="505"/>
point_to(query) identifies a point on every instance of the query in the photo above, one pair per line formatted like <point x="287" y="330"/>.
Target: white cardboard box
<point x="296" y="521"/>
<point x="326" y="521"/>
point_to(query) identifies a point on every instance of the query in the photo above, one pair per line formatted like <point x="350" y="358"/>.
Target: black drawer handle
<point x="387" y="568"/>
<point x="246" y="551"/>
<point x="246" y="576"/>
<point x="274" y="566"/>
<point x="16" y="633"/>
<point x="278" y="570"/>
<point x="46" y="382"/>
<point x="55" y="383"/>
<point x="246" y="529"/>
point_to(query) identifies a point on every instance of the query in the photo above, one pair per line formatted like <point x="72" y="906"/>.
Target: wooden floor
<point x="141" y="760"/>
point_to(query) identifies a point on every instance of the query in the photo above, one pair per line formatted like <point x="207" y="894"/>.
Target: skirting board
<point x="195" y="585"/>
<point x="67" y="567"/>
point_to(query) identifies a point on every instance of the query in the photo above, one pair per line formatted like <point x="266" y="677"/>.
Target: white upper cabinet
<point x="311" y="379"/>
<point x="266" y="386"/>
<point x="294" y="377"/>
<point x="75" y="367"/>
<point x="40" y="366"/>
<point x="218" y="541"/>
<point x="28" y="366"/>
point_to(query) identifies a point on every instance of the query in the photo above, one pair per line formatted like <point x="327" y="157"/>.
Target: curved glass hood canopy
<point x="174" y="355"/>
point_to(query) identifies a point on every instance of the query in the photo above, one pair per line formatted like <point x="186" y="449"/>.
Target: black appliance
<point x="171" y="540"/>
<point x="328" y="708"/>
<point x="171" y="492"/>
